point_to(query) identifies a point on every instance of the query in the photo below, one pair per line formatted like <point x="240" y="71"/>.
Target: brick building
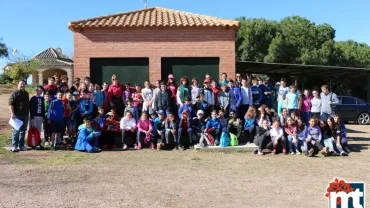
<point x="151" y="43"/>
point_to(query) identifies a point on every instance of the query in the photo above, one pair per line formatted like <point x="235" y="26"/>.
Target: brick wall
<point x="154" y="43"/>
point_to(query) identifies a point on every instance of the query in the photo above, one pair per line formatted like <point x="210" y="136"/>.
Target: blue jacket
<point x="85" y="138"/>
<point x="248" y="123"/>
<point x="235" y="96"/>
<point x="266" y="88"/>
<point x="188" y="108"/>
<point x="256" y="95"/>
<point x="56" y="111"/>
<point x="213" y="123"/>
<point x="86" y="106"/>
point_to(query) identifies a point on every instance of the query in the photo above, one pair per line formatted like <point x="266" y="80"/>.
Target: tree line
<point x="297" y="40"/>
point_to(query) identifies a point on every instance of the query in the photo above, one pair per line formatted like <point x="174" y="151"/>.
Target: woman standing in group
<point x="183" y="91"/>
<point x="315" y="104"/>
<point x="306" y="106"/>
<point x="194" y="90"/>
<point x="115" y="97"/>
<point x="172" y="86"/>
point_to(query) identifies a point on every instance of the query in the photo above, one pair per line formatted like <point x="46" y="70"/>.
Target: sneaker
<point x="292" y="153"/>
<point x="160" y="146"/>
<point x="325" y="151"/>
<point x="152" y="146"/>
<point x="255" y="151"/>
<point x="343" y="153"/>
<point x="95" y="150"/>
<point x="216" y="143"/>
<point x="46" y="143"/>
<point x="23" y="148"/>
<point x="176" y="146"/>
<point x="297" y="152"/>
<point x="335" y="154"/>
<point x="124" y="147"/>
<point x="139" y="146"/>
<point x="183" y="148"/>
<point x="311" y="153"/>
<point x="273" y="152"/>
<point x="347" y="149"/>
<point x="260" y="152"/>
<point x="284" y="151"/>
<point x="14" y="149"/>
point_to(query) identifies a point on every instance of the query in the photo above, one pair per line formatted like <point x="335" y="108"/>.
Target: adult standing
<point x="315" y="104"/>
<point x="183" y="91"/>
<point x="247" y="98"/>
<point x="328" y="102"/>
<point x="267" y="90"/>
<point x="283" y="90"/>
<point x="172" y="86"/>
<point x="19" y="109"/>
<point x="115" y="96"/>
<point x="238" y="80"/>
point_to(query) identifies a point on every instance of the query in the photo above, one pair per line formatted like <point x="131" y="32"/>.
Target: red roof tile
<point x="152" y="17"/>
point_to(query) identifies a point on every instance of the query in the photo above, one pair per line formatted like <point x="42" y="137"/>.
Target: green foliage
<point x="20" y="67"/>
<point x="5" y="79"/>
<point x="3" y="49"/>
<point x="297" y="40"/>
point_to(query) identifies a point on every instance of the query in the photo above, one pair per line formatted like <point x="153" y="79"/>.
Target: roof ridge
<point x="148" y="9"/>
<point x="54" y="52"/>
<point x="112" y="15"/>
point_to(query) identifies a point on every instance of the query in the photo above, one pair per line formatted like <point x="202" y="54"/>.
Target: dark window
<point x="348" y="101"/>
<point x="132" y="70"/>
<point x="190" y="67"/>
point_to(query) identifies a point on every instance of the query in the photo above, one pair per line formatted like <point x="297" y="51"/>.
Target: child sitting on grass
<point x="87" y="138"/>
<point x="145" y="128"/>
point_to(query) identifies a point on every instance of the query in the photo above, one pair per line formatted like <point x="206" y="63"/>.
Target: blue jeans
<point x="18" y="135"/>
<point x="305" y="117"/>
<point x="325" y="116"/>
<point x="296" y="145"/>
<point x="329" y="143"/>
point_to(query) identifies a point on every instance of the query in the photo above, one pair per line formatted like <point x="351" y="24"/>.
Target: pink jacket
<point x="144" y="125"/>
<point x="291" y="130"/>
<point x="306" y="104"/>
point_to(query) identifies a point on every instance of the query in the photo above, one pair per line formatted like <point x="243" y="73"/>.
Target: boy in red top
<point x="51" y="87"/>
<point x="110" y="131"/>
<point x="184" y="128"/>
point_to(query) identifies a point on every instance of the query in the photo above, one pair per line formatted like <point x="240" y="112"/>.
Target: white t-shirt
<point x="147" y="93"/>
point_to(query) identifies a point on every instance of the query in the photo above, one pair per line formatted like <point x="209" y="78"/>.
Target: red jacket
<point x="116" y="90"/>
<point x="111" y="125"/>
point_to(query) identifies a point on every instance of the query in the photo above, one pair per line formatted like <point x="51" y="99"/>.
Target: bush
<point x="5" y="79"/>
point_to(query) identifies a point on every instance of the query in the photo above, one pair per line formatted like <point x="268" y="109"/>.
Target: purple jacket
<point x="314" y="132"/>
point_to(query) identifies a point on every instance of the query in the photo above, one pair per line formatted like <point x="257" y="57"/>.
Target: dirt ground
<point x="148" y="178"/>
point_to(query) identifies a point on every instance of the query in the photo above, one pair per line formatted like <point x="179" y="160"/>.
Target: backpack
<point x="33" y="137"/>
<point x="234" y="140"/>
<point x="224" y="141"/>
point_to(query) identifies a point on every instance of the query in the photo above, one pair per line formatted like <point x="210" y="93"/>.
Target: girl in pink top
<point x="138" y="98"/>
<point x="290" y="129"/>
<point x="144" y="127"/>
<point x="306" y="106"/>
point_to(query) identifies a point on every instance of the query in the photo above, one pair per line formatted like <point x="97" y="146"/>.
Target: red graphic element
<point x="338" y="186"/>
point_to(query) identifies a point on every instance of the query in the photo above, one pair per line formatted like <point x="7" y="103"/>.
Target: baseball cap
<point x="151" y="112"/>
<point x="160" y="112"/>
<point x="200" y="112"/>
<point x="171" y="76"/>
<point x="110" y="113"/>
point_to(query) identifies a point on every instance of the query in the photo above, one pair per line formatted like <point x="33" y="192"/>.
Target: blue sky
<point x="34" y="25"/>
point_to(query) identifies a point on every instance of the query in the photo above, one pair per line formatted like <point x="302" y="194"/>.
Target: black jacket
<point x="37" y="107"/>
<point x="163" y="101"/>
<point x="19" y="99"/>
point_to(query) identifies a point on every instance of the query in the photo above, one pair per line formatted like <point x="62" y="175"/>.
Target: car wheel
<point x="363" y="118"/>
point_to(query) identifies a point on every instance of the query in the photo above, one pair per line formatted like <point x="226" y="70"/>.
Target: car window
<point x="348" y="101"/>
<point x="360" y="102"/>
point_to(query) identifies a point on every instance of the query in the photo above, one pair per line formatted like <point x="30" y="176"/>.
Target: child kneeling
<point x="88" y="138"/>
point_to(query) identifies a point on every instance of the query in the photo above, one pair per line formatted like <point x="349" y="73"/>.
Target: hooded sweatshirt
<point x="37" y="106"/>
<point x="213" y="123"/>
<point x="86" y="106"/>
<point x="56" y="111"/>
<point x="223" y="99"/>
<point x="144" y="125"/>
<point x="325" y="98"/>
<point x="314" y="133"/>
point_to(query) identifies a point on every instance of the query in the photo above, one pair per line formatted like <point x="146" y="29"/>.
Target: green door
<point x="132" y="70"/>
<point x="190" y="67"/>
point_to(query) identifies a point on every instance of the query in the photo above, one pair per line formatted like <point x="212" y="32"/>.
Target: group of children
<point x="177" y="117"/>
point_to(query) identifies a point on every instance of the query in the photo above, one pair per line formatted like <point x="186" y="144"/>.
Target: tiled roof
<point x="53" y="57"/>
<point x="153" y="17"/>
<point x="51" y="53"/>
